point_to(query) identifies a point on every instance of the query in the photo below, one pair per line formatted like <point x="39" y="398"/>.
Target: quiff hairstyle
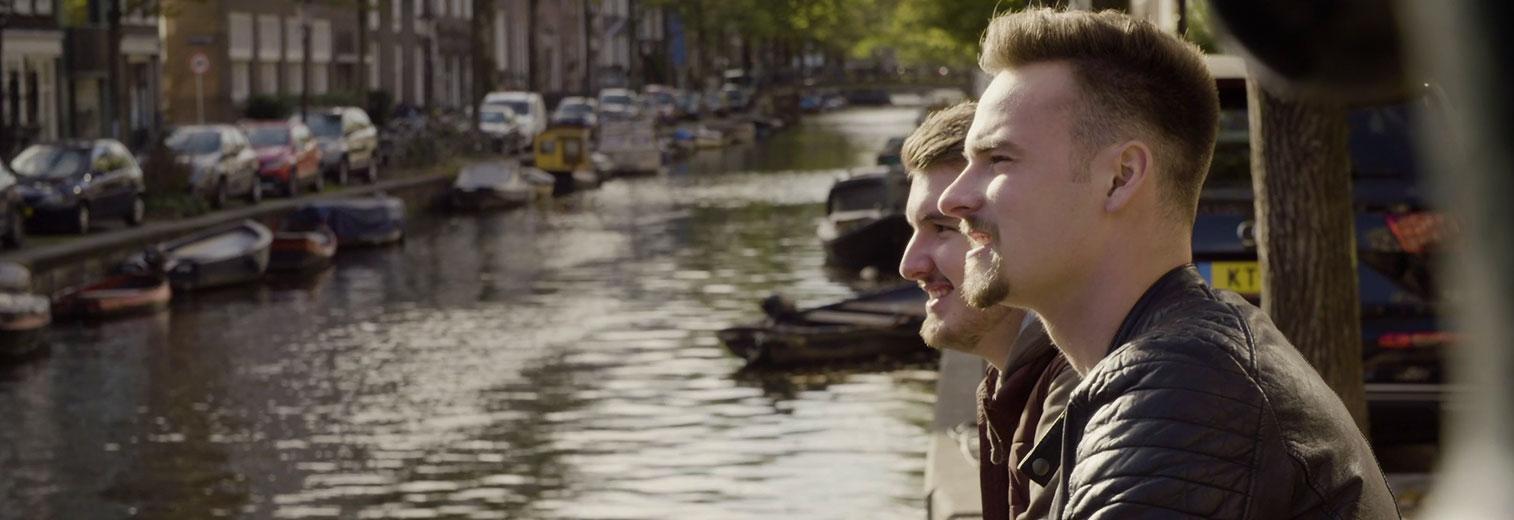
<point x="1136" y="81"/>
<point x="940" y="138"/>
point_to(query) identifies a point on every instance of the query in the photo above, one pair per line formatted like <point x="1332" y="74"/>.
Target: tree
<point x="1305" y="235"/>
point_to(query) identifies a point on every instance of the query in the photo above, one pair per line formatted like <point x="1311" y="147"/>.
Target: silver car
<point x="221" y="162"/>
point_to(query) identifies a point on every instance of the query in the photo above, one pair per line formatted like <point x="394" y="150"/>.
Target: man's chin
<point x="938" y="334"/>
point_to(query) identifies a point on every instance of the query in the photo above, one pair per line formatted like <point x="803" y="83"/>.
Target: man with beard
<point x="1027" y="381"/>
<point x="1086" y="158"/>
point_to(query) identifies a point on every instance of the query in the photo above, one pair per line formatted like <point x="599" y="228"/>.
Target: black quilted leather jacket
<point x="1203" y="409"/>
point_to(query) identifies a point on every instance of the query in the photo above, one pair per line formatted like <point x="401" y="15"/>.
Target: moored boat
<point x="490" y="185"/>
<point x="870" y="327"/>
<point x="864" y="224"/>
<point x="216" y="257"/>
<point x="302" y="251"/>
<point x="368" y="221"/>
<point x="114" y="296"/>
<point x="23" y="323"/>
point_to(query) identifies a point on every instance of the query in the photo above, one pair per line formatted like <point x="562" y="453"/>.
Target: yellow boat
<point x="567" y="152"/>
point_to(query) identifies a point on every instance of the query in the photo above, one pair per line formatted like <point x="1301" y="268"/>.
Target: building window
<point x="373" y="14"/>
<point x="319" y="78"/>
<point x="268" y="78"/>
<point x="399" y="74"/>
<point x="293" y="34"/>
<point x="239" y="36"/>
<point x="268" y="38"/>
<point x="373" y="72"/>
<point x="420" y="75"/>
<point x="396" y="17"/>
<point x="294" y="78"/>
<point x="241" y="81"/>
<point x="320" y="41"/>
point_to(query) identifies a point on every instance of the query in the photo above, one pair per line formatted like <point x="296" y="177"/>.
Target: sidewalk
<point x="60" y="263"/>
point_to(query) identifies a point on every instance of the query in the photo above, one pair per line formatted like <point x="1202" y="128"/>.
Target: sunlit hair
<point x="939" y="138"/>
<point x="1136" y="81"/>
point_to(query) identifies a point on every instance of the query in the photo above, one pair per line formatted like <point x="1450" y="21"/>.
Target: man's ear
<point x="1133" y="170"/>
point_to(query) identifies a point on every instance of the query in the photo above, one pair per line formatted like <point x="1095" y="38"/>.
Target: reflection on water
<point x="550" y="363"/>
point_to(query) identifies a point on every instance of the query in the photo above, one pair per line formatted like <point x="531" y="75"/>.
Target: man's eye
<point x="945" y="228"/>
<point x="996" y="159"/>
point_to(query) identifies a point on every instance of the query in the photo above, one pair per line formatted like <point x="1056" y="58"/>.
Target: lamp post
<point x="304" y="14"/>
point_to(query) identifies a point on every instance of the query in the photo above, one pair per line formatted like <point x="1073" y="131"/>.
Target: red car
<point x="288" y="156"/>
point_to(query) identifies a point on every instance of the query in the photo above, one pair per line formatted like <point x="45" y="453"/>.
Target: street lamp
<point x="303" y="10"/>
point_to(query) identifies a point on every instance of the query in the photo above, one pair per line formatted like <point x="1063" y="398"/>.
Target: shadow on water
<point x="556" y="362"/>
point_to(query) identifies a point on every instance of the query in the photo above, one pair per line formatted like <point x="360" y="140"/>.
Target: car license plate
<point x="1242" y="277"/>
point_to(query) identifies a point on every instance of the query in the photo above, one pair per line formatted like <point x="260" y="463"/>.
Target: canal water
<point x="555" y="362"/>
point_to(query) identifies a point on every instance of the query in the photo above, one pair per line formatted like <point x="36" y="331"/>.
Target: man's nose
<point x="964" y="196"/>
<point x="916" y="265"/>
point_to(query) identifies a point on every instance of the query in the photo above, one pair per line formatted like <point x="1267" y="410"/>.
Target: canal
<point x="555" y="362"/>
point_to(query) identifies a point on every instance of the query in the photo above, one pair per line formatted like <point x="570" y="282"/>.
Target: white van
<point x="528" y="106"/>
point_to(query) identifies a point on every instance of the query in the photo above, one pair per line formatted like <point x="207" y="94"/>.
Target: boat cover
<point x="350" y="219"/>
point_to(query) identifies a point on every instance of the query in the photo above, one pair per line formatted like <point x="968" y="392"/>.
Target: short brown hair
<point x="1135" y="79"/>
<point x="939" y="138"/>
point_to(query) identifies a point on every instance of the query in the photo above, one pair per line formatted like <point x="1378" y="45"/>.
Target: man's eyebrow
<point x="983" y="145"/>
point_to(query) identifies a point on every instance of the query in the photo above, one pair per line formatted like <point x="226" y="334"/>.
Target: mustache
<point x="974" y="222"/>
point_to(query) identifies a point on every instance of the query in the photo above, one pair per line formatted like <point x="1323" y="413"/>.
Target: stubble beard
<point x="985" y="285"/>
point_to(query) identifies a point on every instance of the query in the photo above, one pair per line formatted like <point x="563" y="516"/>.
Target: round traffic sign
<point x="199" y="63"/>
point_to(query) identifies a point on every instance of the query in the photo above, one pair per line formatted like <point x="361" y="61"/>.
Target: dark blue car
<point x="73" y="184"/>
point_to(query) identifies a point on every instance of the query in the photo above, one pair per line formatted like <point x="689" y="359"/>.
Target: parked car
<point x="530" y="108"/>
<point x="348" y="142"/>
<point x="221" y="162"/>
<point x="502" y="125"/>
<point x="664" y="102"/>
<point x="619" y="102"/>
<point x="12" y="209"/>
<point x="690" y="105"/>
<point x="576" y="111"/>
<point x="288" y="156"/>
<point x="73" y="183"/>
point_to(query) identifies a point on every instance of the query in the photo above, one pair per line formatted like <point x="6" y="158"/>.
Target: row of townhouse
<point x="55" y="63"/>
<point x="184" y="60"/>
<point x="420" y="52"/>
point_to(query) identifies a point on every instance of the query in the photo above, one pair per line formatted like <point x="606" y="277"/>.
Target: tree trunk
<point x="483" y="59"/>
<point x="531" y="72"/>
<point x="362" y="46"/>
<point x="115" y="83"/>
<point x="1305" y="235"/>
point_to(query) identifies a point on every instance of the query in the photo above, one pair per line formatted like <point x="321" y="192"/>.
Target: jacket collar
<point x="1179" y="281"/>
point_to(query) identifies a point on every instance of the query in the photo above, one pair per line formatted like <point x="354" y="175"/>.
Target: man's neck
<point x="1083" y="319"/>
<point x="995" y="345"/>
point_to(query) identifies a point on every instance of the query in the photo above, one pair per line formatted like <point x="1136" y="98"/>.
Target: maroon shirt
<point x="1010" y="406"/>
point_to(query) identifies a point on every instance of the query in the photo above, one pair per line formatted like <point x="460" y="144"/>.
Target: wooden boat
<point x="217" y="257"/>
<point x="115" y="296"/>
<point x="490" y="185"/>
<point x="869" y="327"/>
<point x="23" y="323"/>
<point x="302" y="251"/>
<point x="864" y="224"/>
<point x="368" y="221"/>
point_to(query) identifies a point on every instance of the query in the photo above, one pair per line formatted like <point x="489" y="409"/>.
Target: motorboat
<point x="216" y="257"/>
<point x="872" y="326"/>
<point x="126" y="294"/>
<point x="490" y="185"/>
<point x="367" y="221"/>
<point x="302" y="250"/>
<point x="864" y="224"/>
<point x="23" y="324"/>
